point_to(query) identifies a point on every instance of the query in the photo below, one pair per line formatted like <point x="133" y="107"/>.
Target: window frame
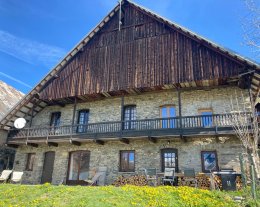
<point x="84" y="129"/>
<point x="206" y="110"/>
<point x="78" y="181"/>
<point x="169" y="124"/>
<point x="52" y="123"/>
<point x="130" y="123"/>
<point x="202" y="160"/>
<point x="169" y="150"/>
<point x="30" y="161"/>
<point x="120" y="161"/>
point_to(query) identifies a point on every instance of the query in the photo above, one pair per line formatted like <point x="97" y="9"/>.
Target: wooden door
<point x="169" y="159"/>
<point x="48" y="167"/>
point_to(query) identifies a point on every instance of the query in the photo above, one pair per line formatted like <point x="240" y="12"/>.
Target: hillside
<point x="9" y="96"/>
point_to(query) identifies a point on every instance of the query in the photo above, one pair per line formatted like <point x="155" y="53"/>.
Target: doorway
<point x="78" y="169"/>
<point x="48" y="167"/>
<point x="169" y="158"/>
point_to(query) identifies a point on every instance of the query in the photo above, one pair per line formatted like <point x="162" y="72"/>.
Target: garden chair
<point x="16" y="177"/>
<point x="151" y="175"/>
<point x="99" y="177"/>
<point x="168" y="175"/>
<point x="94" y="180"/>
<point x="102" y="178"/>
<point x="189" y="176"/>
<point x="5" y="175"/>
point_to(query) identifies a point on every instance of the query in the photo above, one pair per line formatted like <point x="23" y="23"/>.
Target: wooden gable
<point x="145" y="53"/>
<point x="148" y="53"/>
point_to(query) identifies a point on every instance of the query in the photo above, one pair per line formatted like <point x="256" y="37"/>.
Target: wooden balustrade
<point x="146" y="126"/>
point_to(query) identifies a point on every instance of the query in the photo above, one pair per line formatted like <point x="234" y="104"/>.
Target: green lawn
<point x="48" y="195"/>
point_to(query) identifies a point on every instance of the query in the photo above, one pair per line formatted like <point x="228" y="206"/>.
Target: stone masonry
<point x="148" y="105"/>
<point x="147" y="154"/>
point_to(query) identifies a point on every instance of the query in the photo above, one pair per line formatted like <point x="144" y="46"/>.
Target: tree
<point x="245" y="122"/>
<point x="251" y="26"/>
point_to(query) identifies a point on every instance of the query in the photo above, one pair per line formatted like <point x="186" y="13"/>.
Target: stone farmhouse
<point x="9" y="96"/>
<point x="137" y="92"/>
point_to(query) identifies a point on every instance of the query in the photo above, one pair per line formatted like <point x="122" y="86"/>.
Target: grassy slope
<point x="48" y="195"/>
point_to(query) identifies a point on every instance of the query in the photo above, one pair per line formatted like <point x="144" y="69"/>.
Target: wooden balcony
<point x="217" y="124"/>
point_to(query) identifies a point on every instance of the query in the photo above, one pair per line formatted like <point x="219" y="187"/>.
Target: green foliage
<point x="49" y="195"/>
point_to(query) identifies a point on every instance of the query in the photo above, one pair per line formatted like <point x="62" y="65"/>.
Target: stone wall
<point x="6" y="153"/>
<point x="3" y="137"/>
<point x="147" y="155"/>
<point x="148" y="105"/>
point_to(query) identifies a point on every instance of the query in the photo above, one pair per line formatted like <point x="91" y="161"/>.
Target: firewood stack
<point x="138" y="180"/>
<point x="218" y="182"/>
<point x="239" y="183"/>
<point x="203" y="181"/>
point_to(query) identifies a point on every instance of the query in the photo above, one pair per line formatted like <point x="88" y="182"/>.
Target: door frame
<point x="75" y="182"/>
<point x="44" y="165"/>
<point x="170" y="150"/>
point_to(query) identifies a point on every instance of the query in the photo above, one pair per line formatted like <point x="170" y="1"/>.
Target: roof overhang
<point x="31" y="103"/>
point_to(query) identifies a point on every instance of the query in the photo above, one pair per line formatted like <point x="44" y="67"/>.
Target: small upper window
<point x="83" y="118"/>
<point x="206" y="119"/>
<point x="167" y="114"/>
<point x="129" y="117"/>
<point x="55" y="119"/>
<point x="127" y="161"/>
<point x="209" y="161"/>
<point x="30" y="161"/>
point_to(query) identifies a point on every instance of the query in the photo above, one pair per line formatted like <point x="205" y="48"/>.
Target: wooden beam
<point x="59" y="104"/>
<point x="183" y="138"/>
<point x="75" y="143"/>
<point x="152" y="139"/>
<point x="99" y="141"/>
<point x="74" y="111"/>
<point x="122" y="107"/>
<point x="12" y="145"/>
<point x="124" y="140"/>
<point x="31" y="118"/>
<point x="32" y="145"/>
<point x="106" y="94"/>
<point x="54" y="144"/>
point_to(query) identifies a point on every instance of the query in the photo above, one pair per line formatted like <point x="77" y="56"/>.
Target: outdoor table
<point x="160" y="175"/>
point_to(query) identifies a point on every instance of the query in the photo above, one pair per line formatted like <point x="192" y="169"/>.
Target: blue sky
<point x="36" y="34"/>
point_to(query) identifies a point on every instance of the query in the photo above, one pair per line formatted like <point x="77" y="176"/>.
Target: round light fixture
<point x="19" y="123"/>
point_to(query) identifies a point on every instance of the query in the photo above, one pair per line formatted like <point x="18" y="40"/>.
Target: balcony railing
<point x="188" y="125"/>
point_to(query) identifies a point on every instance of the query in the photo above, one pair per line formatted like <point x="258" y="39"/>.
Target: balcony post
<point x="122" y="107"/>
<point x="122" y="115"/>
<point x="180" y="110"/>
<point x="31" y="118"/>
<point x="73" y="115"/>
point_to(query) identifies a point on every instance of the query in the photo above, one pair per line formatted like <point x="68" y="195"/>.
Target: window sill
<point x="130" y="172"/>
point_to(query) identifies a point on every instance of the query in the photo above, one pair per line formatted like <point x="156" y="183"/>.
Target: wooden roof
<point x="84" y="65"/>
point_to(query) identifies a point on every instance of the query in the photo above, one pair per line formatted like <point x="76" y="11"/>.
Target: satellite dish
<point x="19" y="123"/>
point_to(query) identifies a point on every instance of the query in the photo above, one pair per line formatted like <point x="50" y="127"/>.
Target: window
<point x="30" y="161"/>
<point x="168" y="113"/>
<point x="55" y="119"/>
<point x="78" y="167"/>
<point x="6" y="161"/>
<point x="127" y="161"/>
<point x="209" y="161"/>
<point x="129" y="117"/>
<point x="169" y="158"/>
<point x="206" y="119"/>
<point x="83" y="117"/>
